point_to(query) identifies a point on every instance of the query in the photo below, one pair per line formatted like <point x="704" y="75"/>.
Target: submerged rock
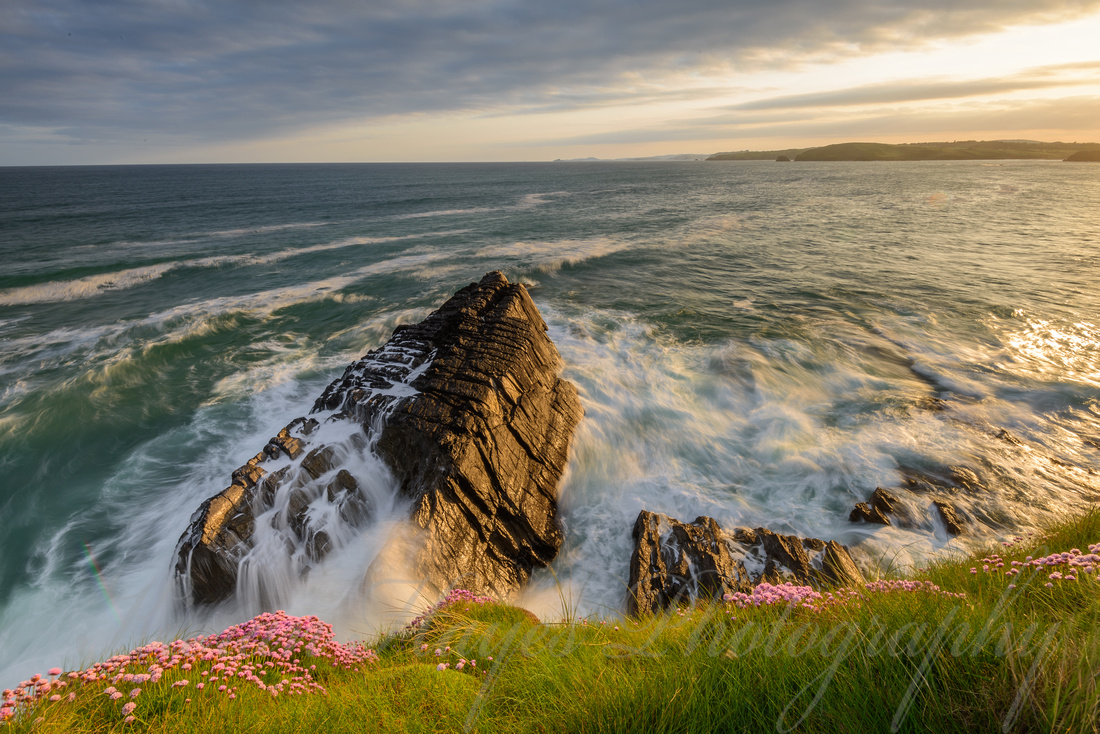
<point x="951" y="521"/>
<point x="861" y="512"/>
<point x="677" y="562"/>
<point x="882" y="504"/>
<point x="467" y="411"/>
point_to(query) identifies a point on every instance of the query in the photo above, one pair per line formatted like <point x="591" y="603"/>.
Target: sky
<point x="212" y="81"/>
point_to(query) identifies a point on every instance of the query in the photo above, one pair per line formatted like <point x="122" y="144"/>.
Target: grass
<point x="911" y="657"/>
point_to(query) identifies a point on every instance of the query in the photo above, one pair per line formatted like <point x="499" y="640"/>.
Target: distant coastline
<point x="959" y="150"/>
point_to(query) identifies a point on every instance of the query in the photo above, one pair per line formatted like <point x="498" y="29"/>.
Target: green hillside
<point x="969" y="150"/>
<point x="964" y="150"/>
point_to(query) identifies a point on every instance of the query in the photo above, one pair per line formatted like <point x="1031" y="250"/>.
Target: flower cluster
<point x="807" y="598"/>
<point x="1075" y="562"/>
<point x="265" y="652"/>
<point x="456" y="597"/>
<point x="766" y="594"/>
<point x="905" y="586"/>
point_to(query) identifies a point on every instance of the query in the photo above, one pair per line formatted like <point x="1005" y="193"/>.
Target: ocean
<point x="762" y="343"/>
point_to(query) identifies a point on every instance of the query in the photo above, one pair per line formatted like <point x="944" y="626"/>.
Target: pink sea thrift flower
<point x="54" y="671"/>
<point x="128" y="708"/>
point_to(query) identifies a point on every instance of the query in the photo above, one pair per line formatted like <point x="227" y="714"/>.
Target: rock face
<point x="673" y="561"/>
<point x="467" y="411"/>
<point x="680" y="562"/>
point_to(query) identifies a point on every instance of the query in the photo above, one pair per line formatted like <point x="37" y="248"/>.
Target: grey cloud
<point x="927" y="89"/>
<point x="216" y="70"/>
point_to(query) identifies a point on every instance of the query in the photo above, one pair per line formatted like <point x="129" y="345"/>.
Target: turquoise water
<point x="752" y="341"/>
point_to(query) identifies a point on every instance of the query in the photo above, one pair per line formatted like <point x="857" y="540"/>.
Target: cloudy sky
<point x="142" y="81"/>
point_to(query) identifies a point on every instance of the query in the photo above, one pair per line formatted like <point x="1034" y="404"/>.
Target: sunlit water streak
<point x="752" y="341"/>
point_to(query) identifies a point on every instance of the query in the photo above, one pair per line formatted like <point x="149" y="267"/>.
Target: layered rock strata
<point x="467" y="411"/>
<point x="677" y="562"/>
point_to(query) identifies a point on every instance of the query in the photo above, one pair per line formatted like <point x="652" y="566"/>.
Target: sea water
<point x="754" y="341"/>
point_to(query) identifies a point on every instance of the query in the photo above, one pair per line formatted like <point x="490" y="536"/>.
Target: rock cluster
<point x="883" y="505"/>
<point x="467" y="411"/>
<point x="679" y="562"/>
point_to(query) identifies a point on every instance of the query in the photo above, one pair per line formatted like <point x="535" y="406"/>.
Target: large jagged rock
<point x="677" y="562"/>
<point x="468" y="412"/>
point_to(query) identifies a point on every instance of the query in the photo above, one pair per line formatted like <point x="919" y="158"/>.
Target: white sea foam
<point x="530" y="201"/>
<point x="94" y="285"/>
<point x="447" y="213"/>
<point x="265" y="229"/>
<point x="551" y="255"/>
<point x="753" y="434"/>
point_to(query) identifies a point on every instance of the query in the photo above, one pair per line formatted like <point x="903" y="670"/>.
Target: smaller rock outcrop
<point x="942" y="478"/>
<point x="882" y="503"/>
<point x="862" y="513"/>
<point x="676" y="562"/>
<point x="950" y="518"/>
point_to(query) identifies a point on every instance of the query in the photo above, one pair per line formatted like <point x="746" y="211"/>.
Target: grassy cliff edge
<point x="1005" y="640"/>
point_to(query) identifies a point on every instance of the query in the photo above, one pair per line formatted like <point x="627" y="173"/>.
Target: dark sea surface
<point x="754" y="341"/>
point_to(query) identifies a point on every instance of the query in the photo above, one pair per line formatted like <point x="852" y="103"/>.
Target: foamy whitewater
<point x="757" y="342"/>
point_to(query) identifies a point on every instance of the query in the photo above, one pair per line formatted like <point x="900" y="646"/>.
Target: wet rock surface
<point x="950" y="518"/>
<point x="467" y="411"/>
<point x="674" y="561"/>
<point x="677" y="562"/>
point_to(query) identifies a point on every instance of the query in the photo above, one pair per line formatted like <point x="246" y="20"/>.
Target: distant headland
<point x="959" y="150"/>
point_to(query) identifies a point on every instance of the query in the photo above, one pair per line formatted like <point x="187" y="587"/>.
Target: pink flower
<point x="128" y="709"/>
<point x="441" y="666"/>
<point x="54" y="671"/>
<point x="115" y="696"/>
